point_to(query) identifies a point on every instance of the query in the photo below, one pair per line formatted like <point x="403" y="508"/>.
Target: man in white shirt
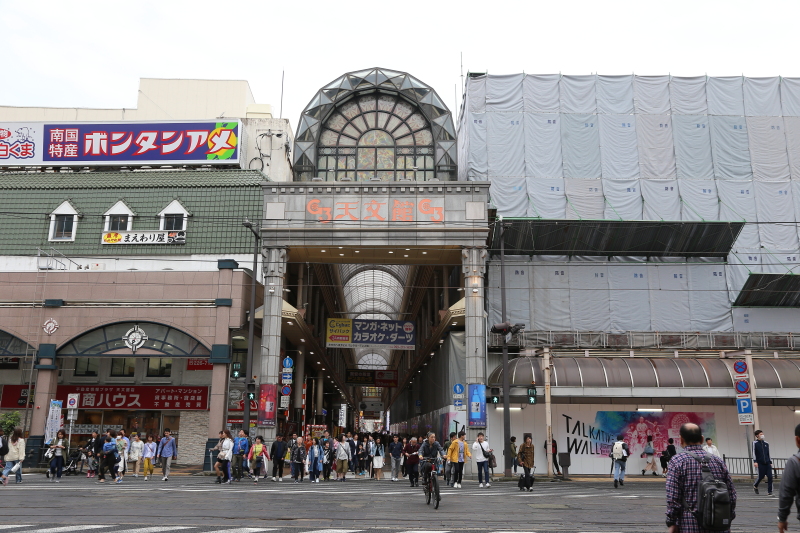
<point x="709" y="447"/>
<point x="481" y="452"/>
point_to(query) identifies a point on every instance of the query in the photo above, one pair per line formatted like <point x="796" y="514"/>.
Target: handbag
<point x="492" y="461"/>
<point x="49" y="453"/>
<point x="16" y="467"/>
<point x="221" y="456"/>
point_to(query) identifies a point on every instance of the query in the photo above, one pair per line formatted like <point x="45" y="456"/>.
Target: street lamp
<point x="250" y="385"/>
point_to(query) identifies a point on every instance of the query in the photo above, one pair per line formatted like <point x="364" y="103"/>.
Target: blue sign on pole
<point x="418" y="403"/>
<point x="458" y="388"/>
<point x="458" y="403"/>
<point x="288" y="362"/>
<point x="286" y="376"/>
<point x="744" y="406"/>
<point x="477" y="405"/>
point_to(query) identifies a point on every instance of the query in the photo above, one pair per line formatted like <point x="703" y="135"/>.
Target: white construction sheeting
<point x="543" y="145"/>
<point x="792" y="131"/>
<point x="510" y="196"/>
<point x="662" y="200"/>
<point x="656" y="151"/>
<point x="766" y="319"/>
<point x="518" y="297"/>
<point x="504" y="93"/>
<point x="615" y="95"/>
<point x="762" y="97"/>
<point x="687" y="96"/>
<point x="477" y="154"/>
<point x="589" y="296"/>
<point x="577" y="94"/>
<point x="584" y="199"/>
<point x="669" y="297"/>
<point x="775" y="211"/>
<point x="699" y="200"/>
<point x="629" y="295"/>
<point x="547" y="198"/>
<point x="739" y="266"/>
<point x="796" y="201"/>
<point x="623" y="199"/>
<point x="790" y="97"/>
<point x="551" y="306"/>
<point x="540" y="93"/>
<point x="769" y="158"/>
<point x="580" y="146"/>
<point x="730" y="148"/>
<point x="692" y="136"/>
<point x="651" y="95"/>
<point x="708" y="298"/>
<point x="476" y="94"/>
<point x="618" y="148"/>
<point x="506" y="144"/>
<point x="725" y="95"/>
<point x="737" y="202"/>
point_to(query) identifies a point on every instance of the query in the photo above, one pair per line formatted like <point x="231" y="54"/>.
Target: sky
<point x="92" y="53"/>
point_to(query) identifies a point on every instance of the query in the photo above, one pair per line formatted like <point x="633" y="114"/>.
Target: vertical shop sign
<point x="477" y="405"/>
<point x="267" y="409"/>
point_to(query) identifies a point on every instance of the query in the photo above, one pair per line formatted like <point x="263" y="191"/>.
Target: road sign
<point x="746" y="419"/>
<point x="458" y="403"/>
<point x="740" y="367"/>
<point x="286" y="390"/>
<point x="72" y="401"/>
<point x="286" y="370"/>
<point x="288" y="362"/>
<point x="287" y="375"/>
<point x="742" y="386"/>
<point x="418" y="403"/>
<point x="744" y="405"/>
<point x="324" y="412"/>
<point x="285" y="380"/>
<point x="458" y="396"/>
<point x="284" y="402"/>
<point x="458" y="388"/>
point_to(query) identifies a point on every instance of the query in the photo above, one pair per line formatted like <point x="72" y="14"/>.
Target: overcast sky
<point x="57" y="54"/>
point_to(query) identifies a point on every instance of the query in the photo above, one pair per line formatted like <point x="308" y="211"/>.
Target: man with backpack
<point x="790" y="486"/>
<point x="700" y="493"/>
<point x="619" y="453"/>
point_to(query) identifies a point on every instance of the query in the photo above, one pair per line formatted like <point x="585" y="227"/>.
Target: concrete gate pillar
<point x="473" y="266"/>
<point x="268" y="366"/>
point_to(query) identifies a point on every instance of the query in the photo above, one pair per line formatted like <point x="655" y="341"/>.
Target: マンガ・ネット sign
<point x="357" y="333"/>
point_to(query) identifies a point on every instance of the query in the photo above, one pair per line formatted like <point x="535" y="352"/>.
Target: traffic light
<point x="532" y="395"/>
<point x="251" y="391"/>
<point x="236" y="370"/>
<point x="495" y="397"/>
<point x="507" y="329"/>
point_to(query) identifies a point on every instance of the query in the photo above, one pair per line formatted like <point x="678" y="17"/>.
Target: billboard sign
<point x="123" y="143"/>
<point x="267" y="408"/>
<point x="386" y="378"/>
<point x="357" y="333"/>
<point x="359" y="377"/>
<point x="477" y="405"/>
<point x="140" y="397"/>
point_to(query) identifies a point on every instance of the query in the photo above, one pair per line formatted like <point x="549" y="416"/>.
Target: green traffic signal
<point x="251" y="395"/>
<point x="531" y="400"/>
<point x="235" y="373"/>
<point x="495" y="399"/>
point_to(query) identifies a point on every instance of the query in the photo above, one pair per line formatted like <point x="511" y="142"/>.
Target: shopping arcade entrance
<point x="374" y="234"/>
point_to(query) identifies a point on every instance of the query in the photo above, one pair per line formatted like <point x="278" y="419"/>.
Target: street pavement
<point x="194" y="504"/>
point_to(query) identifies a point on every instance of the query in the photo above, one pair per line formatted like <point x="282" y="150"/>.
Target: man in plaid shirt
<point x="683" y="477"/>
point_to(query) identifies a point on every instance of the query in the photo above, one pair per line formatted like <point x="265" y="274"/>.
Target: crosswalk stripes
<point x="244" y="530"/>
<point x="14" y="526"/>
<point x="66" y="529"/>
<point x="159" y="529"/>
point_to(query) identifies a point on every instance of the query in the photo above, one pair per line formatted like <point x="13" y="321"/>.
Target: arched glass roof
<point x="109" y="338"/>
<point x="375" y="124"/>
<point x="374" y="291"/>
<point x="373" y="359"/>
<point x="11" y="345"/>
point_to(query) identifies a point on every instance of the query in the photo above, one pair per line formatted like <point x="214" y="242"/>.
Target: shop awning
<point x="526" y="236"/>
<point x="770" y="290"/>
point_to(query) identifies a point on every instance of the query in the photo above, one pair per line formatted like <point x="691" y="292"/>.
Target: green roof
<point x="217" y="200"/>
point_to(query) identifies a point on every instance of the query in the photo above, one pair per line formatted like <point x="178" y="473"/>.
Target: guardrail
<point x="744" y="466"/>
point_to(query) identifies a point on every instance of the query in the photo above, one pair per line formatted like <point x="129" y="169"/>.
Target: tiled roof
<point x="218" y="200"/>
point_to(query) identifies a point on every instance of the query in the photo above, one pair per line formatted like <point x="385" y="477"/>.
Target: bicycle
<point x="431" y="487"/>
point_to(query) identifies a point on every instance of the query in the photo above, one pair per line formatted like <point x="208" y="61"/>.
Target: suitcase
<point x="525" y="484"/>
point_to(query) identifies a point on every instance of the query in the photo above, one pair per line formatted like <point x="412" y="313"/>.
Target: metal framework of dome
<point x="410" y="120"/>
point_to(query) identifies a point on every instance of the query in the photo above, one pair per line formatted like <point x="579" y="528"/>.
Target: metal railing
<point x="672" y="340"/>
<point x="744" y="466"/>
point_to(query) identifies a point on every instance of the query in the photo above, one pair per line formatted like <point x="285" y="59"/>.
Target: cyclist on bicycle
<point x="429" y="451"/>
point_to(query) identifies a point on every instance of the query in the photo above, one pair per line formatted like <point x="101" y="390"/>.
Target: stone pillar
<point x="320" y="393"/>
<point x="473" y="267"/>
<point x="45" y="390"/>
<point x="218" y="399"/>
<point x="299" y="377"/>
<point x="269" y="365"/>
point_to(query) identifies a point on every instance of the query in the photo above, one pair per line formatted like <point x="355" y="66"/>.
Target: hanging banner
<point x="477" y="405"/>
<point x="359" y="377"/>
<point x="53" y="423"/>
<point x="343" y="415"/>
<point x="124" y="143"/>
<point x="357" y="333"/>
<point x="267" y="408"/>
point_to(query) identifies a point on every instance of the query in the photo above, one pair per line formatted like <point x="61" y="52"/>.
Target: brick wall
<point x="193" y="437"/>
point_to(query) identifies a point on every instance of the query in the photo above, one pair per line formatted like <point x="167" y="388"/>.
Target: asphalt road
<point x="197" y="505"/>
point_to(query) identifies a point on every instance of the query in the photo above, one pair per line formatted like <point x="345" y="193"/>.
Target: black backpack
<point x="3" y="447"/>
<point x="713" y="499"/>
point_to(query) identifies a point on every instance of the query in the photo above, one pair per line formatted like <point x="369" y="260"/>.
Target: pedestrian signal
<point x="495" y="399"/>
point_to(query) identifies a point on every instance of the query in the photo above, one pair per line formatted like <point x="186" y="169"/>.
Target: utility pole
<point x="507" y="461"/>
<point x="548" y="416"/>
<point x="250" y="386"/>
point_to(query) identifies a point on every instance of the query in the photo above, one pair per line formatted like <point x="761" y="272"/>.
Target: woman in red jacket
<point x="257" y="451"/>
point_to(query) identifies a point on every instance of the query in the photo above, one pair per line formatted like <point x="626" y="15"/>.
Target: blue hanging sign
<point x="288" y="362"/>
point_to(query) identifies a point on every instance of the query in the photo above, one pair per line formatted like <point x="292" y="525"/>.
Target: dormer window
<point x="63" y="222"/>
<point x="119" y="217"/>
<point x="173" y="217"/>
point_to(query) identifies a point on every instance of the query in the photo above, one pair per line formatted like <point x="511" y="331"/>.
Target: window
<point x="173" y="217"/>
<point x="119" y="217"/>
<point x="63" y="222"/>
<point x="123" y="367"/>
<point x="87" y="366"/>
<point x="118" y="223"/>
<point x="63" y="227"/>
<point x="173" y="222"/>
<point x="159" y="367"/>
